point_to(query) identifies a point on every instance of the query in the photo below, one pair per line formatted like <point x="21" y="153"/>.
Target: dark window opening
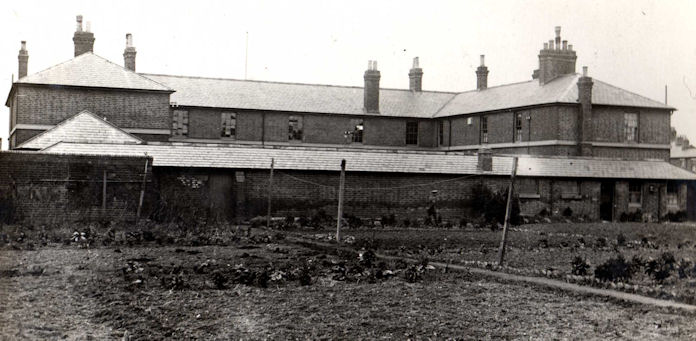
<point x="358" y="131"/>
<point x="440" y="133"/>
<point x="518" y="128"/>
<point x="295" y="128"/>
<point x="180" y="123"/>
<point x="411" y="132"/>
<point x="228" y="125"/>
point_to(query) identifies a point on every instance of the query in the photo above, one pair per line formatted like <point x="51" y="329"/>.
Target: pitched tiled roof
<point x="91" y="70"/>
<point x="259" y="95"/>
<point x="563" y="89"/>
<point x="84" y="127"/>
<point x="247" y="157"/>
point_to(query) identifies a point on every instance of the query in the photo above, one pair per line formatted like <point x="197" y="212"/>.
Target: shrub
<point x="679" y="216"/>
<point x="601" y="242"/>
<point x="661" y="268"/>
<point x="407" y="222"/>
<point x="568" y="212"/>
<point x="389" y="220"/>
<point x="621" y="239"/>
<point x="686" y="269"/>
<point x="614" y="269"/>
<point x="493" y="204"/>
<point x="580" y="266"/>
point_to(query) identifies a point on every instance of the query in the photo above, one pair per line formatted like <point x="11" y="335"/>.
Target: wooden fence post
<point x="341" y="189"/>
<point x="142" y="191"/>
<point x="501" y="252"/>
<point x="270" y="194"/>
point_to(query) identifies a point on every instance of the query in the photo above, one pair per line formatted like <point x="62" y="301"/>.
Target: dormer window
<point x="294" y="128"/>
<point x="631" y="127"/>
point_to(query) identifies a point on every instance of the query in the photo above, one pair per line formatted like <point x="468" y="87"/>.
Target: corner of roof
<point x="658" y="104"/>
<point x="69" y="119"/>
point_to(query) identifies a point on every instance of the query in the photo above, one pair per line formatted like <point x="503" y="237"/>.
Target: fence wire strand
<point x="378" y="188"/>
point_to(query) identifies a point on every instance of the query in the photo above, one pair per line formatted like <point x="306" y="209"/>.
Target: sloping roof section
<point x="248" y="157"/>
<point x="91" y="70"/>
<point x="84" y="127"/>
<point x="329" y="99"/>
<point x="563" y="89"/>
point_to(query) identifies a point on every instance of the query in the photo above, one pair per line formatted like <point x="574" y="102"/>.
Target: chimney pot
<point x="129" y="40"/>
<point x="558" y="31"/>
<point x="23" y="59"/>
<point x="415" y="76"/>
<point x="551" y="44"/>
<point x="565" y="45"/>
<point x="546" y="46"/>
<point x="584" y="71"/>
<point x="79" y="23"/>
<point x="371" y="89"/>
<point x="129" y="53"/>
<point x="482" y="75"/>
<point x="570" y="47"/>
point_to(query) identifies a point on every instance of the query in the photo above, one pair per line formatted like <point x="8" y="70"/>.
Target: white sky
<point x="637" y="45"/>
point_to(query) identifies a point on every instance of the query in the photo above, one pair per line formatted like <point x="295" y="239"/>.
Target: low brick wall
<point x="38" y="188"/>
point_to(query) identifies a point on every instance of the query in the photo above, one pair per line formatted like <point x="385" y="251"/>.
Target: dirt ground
<point x="260" y="291"/>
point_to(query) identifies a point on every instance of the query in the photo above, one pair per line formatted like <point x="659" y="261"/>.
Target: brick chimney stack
<point x="84" y="40"/>
<point x="482" y="75"/>
<point x="23" y="60"/>
<point x="415" y="77"/>
<point x="557" y="58"/>
<point x="129" y="53"/>
<point x="371" y="95"/>
<point x="585" y="99"/>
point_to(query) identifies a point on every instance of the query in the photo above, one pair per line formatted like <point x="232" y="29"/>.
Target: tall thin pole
<point x="104" y="192"/>
<point x="142" y="191"/>
<point x="501" y="252"/>
<point x="246" y="55"/>
<point x="270" y="194"/>
<point x="341" y="189"/>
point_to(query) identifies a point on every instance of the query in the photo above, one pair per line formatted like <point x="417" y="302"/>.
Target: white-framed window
<point x="228" y="125"/>
<point x="294" y="128"/>
<point x="672" y="196"/>
<point x="180" y="122"/>
<point x="484" y="129"/>
<point x="631" y="127"/>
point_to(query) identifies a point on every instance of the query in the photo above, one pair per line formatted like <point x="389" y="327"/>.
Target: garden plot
<point x="652" y="259"/>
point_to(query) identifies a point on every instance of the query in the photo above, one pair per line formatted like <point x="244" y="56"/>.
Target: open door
<point x="606" y="201"/>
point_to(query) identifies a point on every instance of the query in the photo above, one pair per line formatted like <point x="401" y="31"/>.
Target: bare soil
<point x="277" y="290"/>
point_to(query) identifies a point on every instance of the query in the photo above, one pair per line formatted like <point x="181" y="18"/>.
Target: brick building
<point x="583" y="144"/>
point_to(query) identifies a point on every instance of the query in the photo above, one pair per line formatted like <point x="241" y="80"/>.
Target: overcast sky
<point x="640" y="46"/>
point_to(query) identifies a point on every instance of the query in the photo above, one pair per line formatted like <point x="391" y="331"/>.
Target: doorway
<point x="606" y="201"/>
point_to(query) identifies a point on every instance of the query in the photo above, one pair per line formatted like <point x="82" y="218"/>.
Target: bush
<point x="389" y="220"/>
<point x="568" y="212"/>
<point x="580" y="267"/>
<point x="614" y="269"/>
<point x="493" y="204"/>
<point x="661" y="268"/>
<point x="675" y="216"/>
<point x="601" y="242"/>
<point x="621" y="239"/>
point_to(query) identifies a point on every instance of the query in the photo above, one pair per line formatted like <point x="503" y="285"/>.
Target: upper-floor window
<point x="484" y="129"/>
<point x="228" y="124"/>
<point x="441" y="133"/>
<point x="411" y="132"/>
<point x="358" y="130"/>
<point x="631" y="127"/>
<point x="294" y="128"/>
<point x="180" y="123"/>
<point x="518" y="127"/>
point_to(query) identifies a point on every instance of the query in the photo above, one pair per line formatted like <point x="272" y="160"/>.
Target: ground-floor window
<point x="528" y="188"/>
<point x="635" y="195"/>
<point x="672" y="196"/>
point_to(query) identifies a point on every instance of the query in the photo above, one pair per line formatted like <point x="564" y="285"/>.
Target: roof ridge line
<point x="289" y="83"/>
<point x="126" y="69"/>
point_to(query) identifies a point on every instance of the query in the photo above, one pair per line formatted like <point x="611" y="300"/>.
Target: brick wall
<point x="126" y="109"/>
<point x="52" y="189"/>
